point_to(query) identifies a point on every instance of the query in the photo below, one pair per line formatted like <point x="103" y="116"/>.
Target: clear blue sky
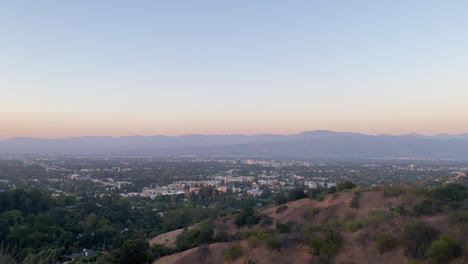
<point x="75" y="68"/>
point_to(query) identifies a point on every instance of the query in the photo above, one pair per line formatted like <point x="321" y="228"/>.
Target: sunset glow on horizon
<point x="115" y="68"/>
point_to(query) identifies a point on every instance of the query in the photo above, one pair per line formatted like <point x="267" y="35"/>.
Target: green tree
<point x="273" y="243"/>
<point x="133" y="252"/>
<point x="385" y="242"/>
<point x="296" y="194"/>
<point x="233" y="253"/>
<point x="345" y="185"/>
<point x="443" y="250"/>
<point x="417" y="237"/>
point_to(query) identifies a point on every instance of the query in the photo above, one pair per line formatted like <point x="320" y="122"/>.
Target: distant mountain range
<point x="311" y="144"/>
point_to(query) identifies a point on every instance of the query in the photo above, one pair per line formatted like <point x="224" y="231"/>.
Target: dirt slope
<point x="168" y="239"/>
<point x="357" y="247"/>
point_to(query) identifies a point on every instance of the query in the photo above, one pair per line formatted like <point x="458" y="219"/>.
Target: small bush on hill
<point x="311" y="213"/>
<point x="254" y="242"/>
<point x="281" y="209"/>
<point x="354" y="203"/>
<point x="313" y="192"/>
<point x="296" y="194"/>
<point x="341" y="186"/>
<point x="376" y="218"/>
<point x="233" y="253"/>
<point x="189" y="239"/>
<point x="442" y="198"/>
<point x="264" y="234"/>
<point x="246" y="217"/>
<point x="327" y="246"/>
<point x="159" y="250"/>
<point x="133" y="251"/>
<point x="284" y="228"/>
<point x="273" y="243"/>
<point x="266" y="220"/>
<point x="443" y="250"/>
<point x="417" y="237"/>
<point x="394" y="191"/>
<point x="320" y="197"/>
<point x="352" y="225"/>
<point x="314" y="211"/>
<point x="222" y="236"/>
<point x="385" y="242"/>
<point x="458" y="217"/>
<point x="449" y="193"/>
<point x="426" y="207"/>
<point x="335" y="196"/>
<point x="349" y="216"/>
<point x="398" y="211"/>
<point x="308" y="230"/>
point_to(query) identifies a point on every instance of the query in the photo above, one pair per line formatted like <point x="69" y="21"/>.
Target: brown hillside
<point x="168" y="239"/>
<point x="357" y="247"/>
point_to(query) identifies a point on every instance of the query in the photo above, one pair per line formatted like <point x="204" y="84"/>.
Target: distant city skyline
<point x="119" y="68"/>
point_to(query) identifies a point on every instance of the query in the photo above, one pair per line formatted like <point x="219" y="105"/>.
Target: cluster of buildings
<point x="249" y="184"/>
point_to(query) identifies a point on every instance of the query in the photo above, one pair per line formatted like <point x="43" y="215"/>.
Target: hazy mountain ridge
<point x="311" y="144"/>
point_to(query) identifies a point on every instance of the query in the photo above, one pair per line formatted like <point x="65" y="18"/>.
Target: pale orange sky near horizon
<point x="67" y="125"/>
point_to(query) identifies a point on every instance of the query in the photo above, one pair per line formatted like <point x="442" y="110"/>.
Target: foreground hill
<point x="380" y="225"/>
<point x="312" y="144"/>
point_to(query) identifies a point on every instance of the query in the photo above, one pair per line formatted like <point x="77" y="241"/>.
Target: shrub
<point x="246" y="217"/>
<point x="254" y="242"/>
<point x="349" y="216"/>
<point x="328" y="250"/>
<point x="223" y="236"/>
<point x="320" y="197"/>
<point x="385" y="242"/>
<point x="376" y="218"/>
<point x="296" y="194"/>
<point x="443" y="250"/>
<point x="233" y="253"/>
<point x="189" y="239"/>
<point x="325" y="250"/>
<point x="417" y="237"/>
<point x="354" y="203"/>
<point x="281" y="209"/>
<point x="394" y="191"/>
<point x="341" y="186"/>
<point x="335" y="196"/>
<point x="399" y="210"/>
<point x="264" y="235"/>
<point x="133" y="251"/>
<point x="284" y="228"/>
<point x="308" y="230"/>
<point x="327" y="247"/>
<point x="352" y="226"/>
<point x="458" y="217"/>
<point x="313" y="192"/>
<point x="159" y="250"/>
<point x="426" y="207"/>
<point x="244" y="234"/>
<point x="266" y="220"/>
<point x="273" y="243"/>
<point x="449" y="193"/>
<point x="312" y="212"/>
<point x="315" y="245"/>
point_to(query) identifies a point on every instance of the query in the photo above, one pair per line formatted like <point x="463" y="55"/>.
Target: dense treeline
<point x="33" y="221"/>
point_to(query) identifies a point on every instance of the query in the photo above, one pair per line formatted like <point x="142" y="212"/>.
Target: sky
<point x="119" y="68"/>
